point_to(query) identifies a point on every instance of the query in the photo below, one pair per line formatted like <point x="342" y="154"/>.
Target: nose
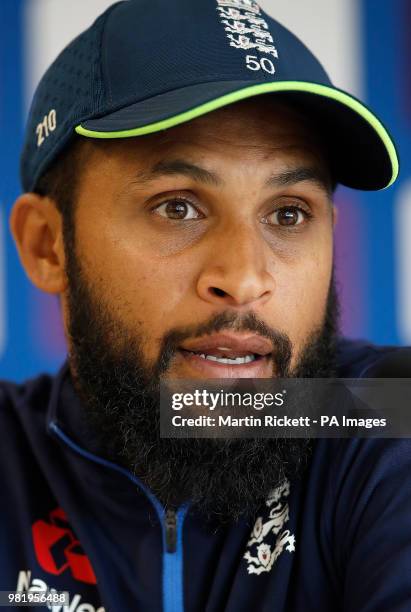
<point x="237" y="269"/>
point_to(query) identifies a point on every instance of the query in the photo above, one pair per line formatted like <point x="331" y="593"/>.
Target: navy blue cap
<point x="148" y="65"/>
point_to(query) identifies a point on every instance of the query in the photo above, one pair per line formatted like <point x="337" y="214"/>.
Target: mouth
<point x="229" y="356"/>
<point x="234" y="360"/>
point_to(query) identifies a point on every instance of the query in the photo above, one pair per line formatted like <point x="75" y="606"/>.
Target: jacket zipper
<point x="170" y="521"/>
<point x="173" y="579"/>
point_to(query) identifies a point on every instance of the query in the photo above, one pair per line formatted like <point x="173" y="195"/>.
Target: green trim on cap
<point x="255" y="90"/>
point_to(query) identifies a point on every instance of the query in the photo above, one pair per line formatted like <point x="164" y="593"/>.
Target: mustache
<point x="228" y="320"/>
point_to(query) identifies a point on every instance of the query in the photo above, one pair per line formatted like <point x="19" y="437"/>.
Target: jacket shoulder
<point x="32" y="394"/>
<point x="359" y="358"/>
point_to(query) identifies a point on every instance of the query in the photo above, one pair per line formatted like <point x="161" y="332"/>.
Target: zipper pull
<point x="171" y="530"/>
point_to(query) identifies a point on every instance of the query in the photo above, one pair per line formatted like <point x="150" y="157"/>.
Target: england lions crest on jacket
<point x="268" y="538"/>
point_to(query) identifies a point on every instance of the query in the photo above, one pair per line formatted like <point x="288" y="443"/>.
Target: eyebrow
<point x="180" y="167"/>
<point x="298" y="175"/>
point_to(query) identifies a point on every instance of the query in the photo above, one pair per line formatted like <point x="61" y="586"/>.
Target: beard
<point x="224" y="479"/>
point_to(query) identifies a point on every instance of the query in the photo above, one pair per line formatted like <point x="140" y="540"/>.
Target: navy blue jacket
<point x="337" y="539"/>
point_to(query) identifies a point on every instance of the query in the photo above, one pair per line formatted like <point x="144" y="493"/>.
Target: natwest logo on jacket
<point x="58" y="550"/>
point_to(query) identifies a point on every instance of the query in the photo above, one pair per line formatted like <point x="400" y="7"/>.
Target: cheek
<point x="143" y="289"/>
<point x="301" y="292"/>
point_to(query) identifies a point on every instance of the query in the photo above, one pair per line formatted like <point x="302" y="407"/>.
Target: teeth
<point x="227" y="360"/>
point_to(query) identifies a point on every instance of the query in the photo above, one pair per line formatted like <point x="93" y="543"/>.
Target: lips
<point x="238" y="347"/>
<point x="226" y="355"/>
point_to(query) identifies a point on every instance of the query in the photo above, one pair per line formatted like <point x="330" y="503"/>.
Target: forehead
<point x="259" y="128"/>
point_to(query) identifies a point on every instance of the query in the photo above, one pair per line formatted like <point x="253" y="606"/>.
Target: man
<point x="178" y="173"/>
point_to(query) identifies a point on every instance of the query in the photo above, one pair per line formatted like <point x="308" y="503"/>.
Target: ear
<point x="36" y="225"/>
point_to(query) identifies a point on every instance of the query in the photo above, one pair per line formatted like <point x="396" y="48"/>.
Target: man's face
<point x="205" y="252"/>
<point x="228" y="215"/>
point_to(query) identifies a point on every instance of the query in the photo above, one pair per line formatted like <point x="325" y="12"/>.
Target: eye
<point x="287" y="216"/>
<point x="177" y="209"/>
